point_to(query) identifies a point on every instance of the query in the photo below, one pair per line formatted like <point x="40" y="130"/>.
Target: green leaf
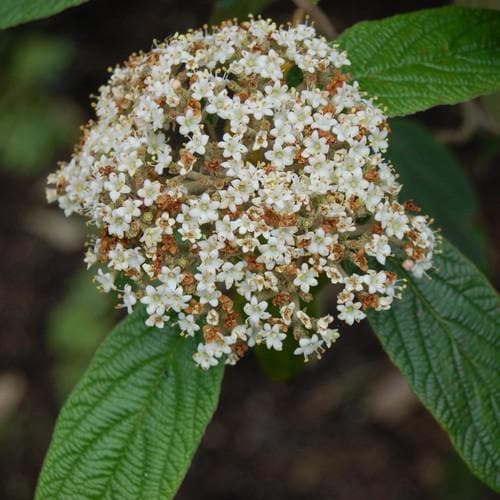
<point x="444" y="336"/>
<point x="228" y="9"/>
<point x="35" y="62"/>
<point x="432" y="176"/>
<point x="294" y="76"/>
<point x="14" y="12"/>
<point x="133" y="423"/>
<point x="429" y="57"/>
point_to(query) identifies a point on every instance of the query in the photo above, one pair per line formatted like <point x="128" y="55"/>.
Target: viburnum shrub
<point x="231" y="172"/>
<point x="227" y="173"/>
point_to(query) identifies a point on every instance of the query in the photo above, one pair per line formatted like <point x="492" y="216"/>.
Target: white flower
<point x="204" y="357"/>
<point x="149" y="192"/>
<point x="300" y="116"/>
<point x="157" y="320"/>
<point x="189" y="122"/>
<point x="315" y="146"/>
<point x="163" y="159"/>
<point x="116" y="185"/>
<point x="176" y="299"/>
<point x="256" y="311"/>
<point x="396" y="225"/>
<point x="353" y="283"/>
<point x="204" y="209"/>
<point x="272" y="252"/>
<point x="329" y="336"/>
<point x="118" y="258"/>
<point x="225" y="228"/>
<point x="209" y="295"/>
<point x="231" y="273"/>
<point x="269" y="65"/>
<point x="378" y="140"/>
<point x="320" y="241"/>
<point x="135" y="258"/>
<point x="151" y="237"/>
<point x="350" y="312"/>
<point x="273" y="337"/>
<point x="323" y="121"/>
<point x="280" y="156"/>
<point x="105" y="280"/>
<point x="238" y="117"/>
<point x="197" y="143"/>
<point x="308" y="345"/>
<point x="375" y="281"/>
<point x="129" y="210"/>
<point x="378" y="247"/>
<point x="129" y="298"/>
<point x="171" y="277"/>
<point x="219" y="104"/>
<point x="154" y="299"/>
<point x="202" y="88"/>
<point x="117" y="223"/>
<point x="232" y="146"/>
<point x="283" y="130"/>
<point x="306" y="278"/>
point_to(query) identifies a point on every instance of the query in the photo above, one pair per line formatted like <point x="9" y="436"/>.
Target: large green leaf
<point x="131" y="426"/>
<point x="444" y="335"/>
<point x="429" y="57"/>
<point x="14" y="12"/>
<point x="432" y="177"/>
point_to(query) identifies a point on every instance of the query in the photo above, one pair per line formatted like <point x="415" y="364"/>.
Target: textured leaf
<point x="432" y="177"/>
<point x="444" y="335"/>
<point x="131" y="426"/>
<point x="14" y="12"/>
<point x="228" y="9"/>
<point x="429" y="57"/>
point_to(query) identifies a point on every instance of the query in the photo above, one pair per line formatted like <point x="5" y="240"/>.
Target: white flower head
<point x="231" y="171"/>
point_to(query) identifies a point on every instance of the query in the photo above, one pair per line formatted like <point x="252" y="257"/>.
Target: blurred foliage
<point x="458" y="483"/>
<point x="228" y="9"/>
<point x="280" y="366"/>
<point x="485" y="4"/>
<point x="434" y="179"/>
<point x="284" y="365"/>
<point x="34" y="124"/>
<point x="76" y="327"/>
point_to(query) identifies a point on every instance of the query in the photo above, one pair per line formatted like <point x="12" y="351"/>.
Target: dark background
<point x="347" y="428"/>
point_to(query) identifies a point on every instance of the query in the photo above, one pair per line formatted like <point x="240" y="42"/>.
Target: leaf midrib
<point x="144" y="409"/>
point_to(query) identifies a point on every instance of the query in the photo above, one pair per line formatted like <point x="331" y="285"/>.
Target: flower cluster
<point x="230" y="171"/>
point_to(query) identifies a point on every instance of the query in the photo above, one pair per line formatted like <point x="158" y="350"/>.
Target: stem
<point x="322" y="21"/>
